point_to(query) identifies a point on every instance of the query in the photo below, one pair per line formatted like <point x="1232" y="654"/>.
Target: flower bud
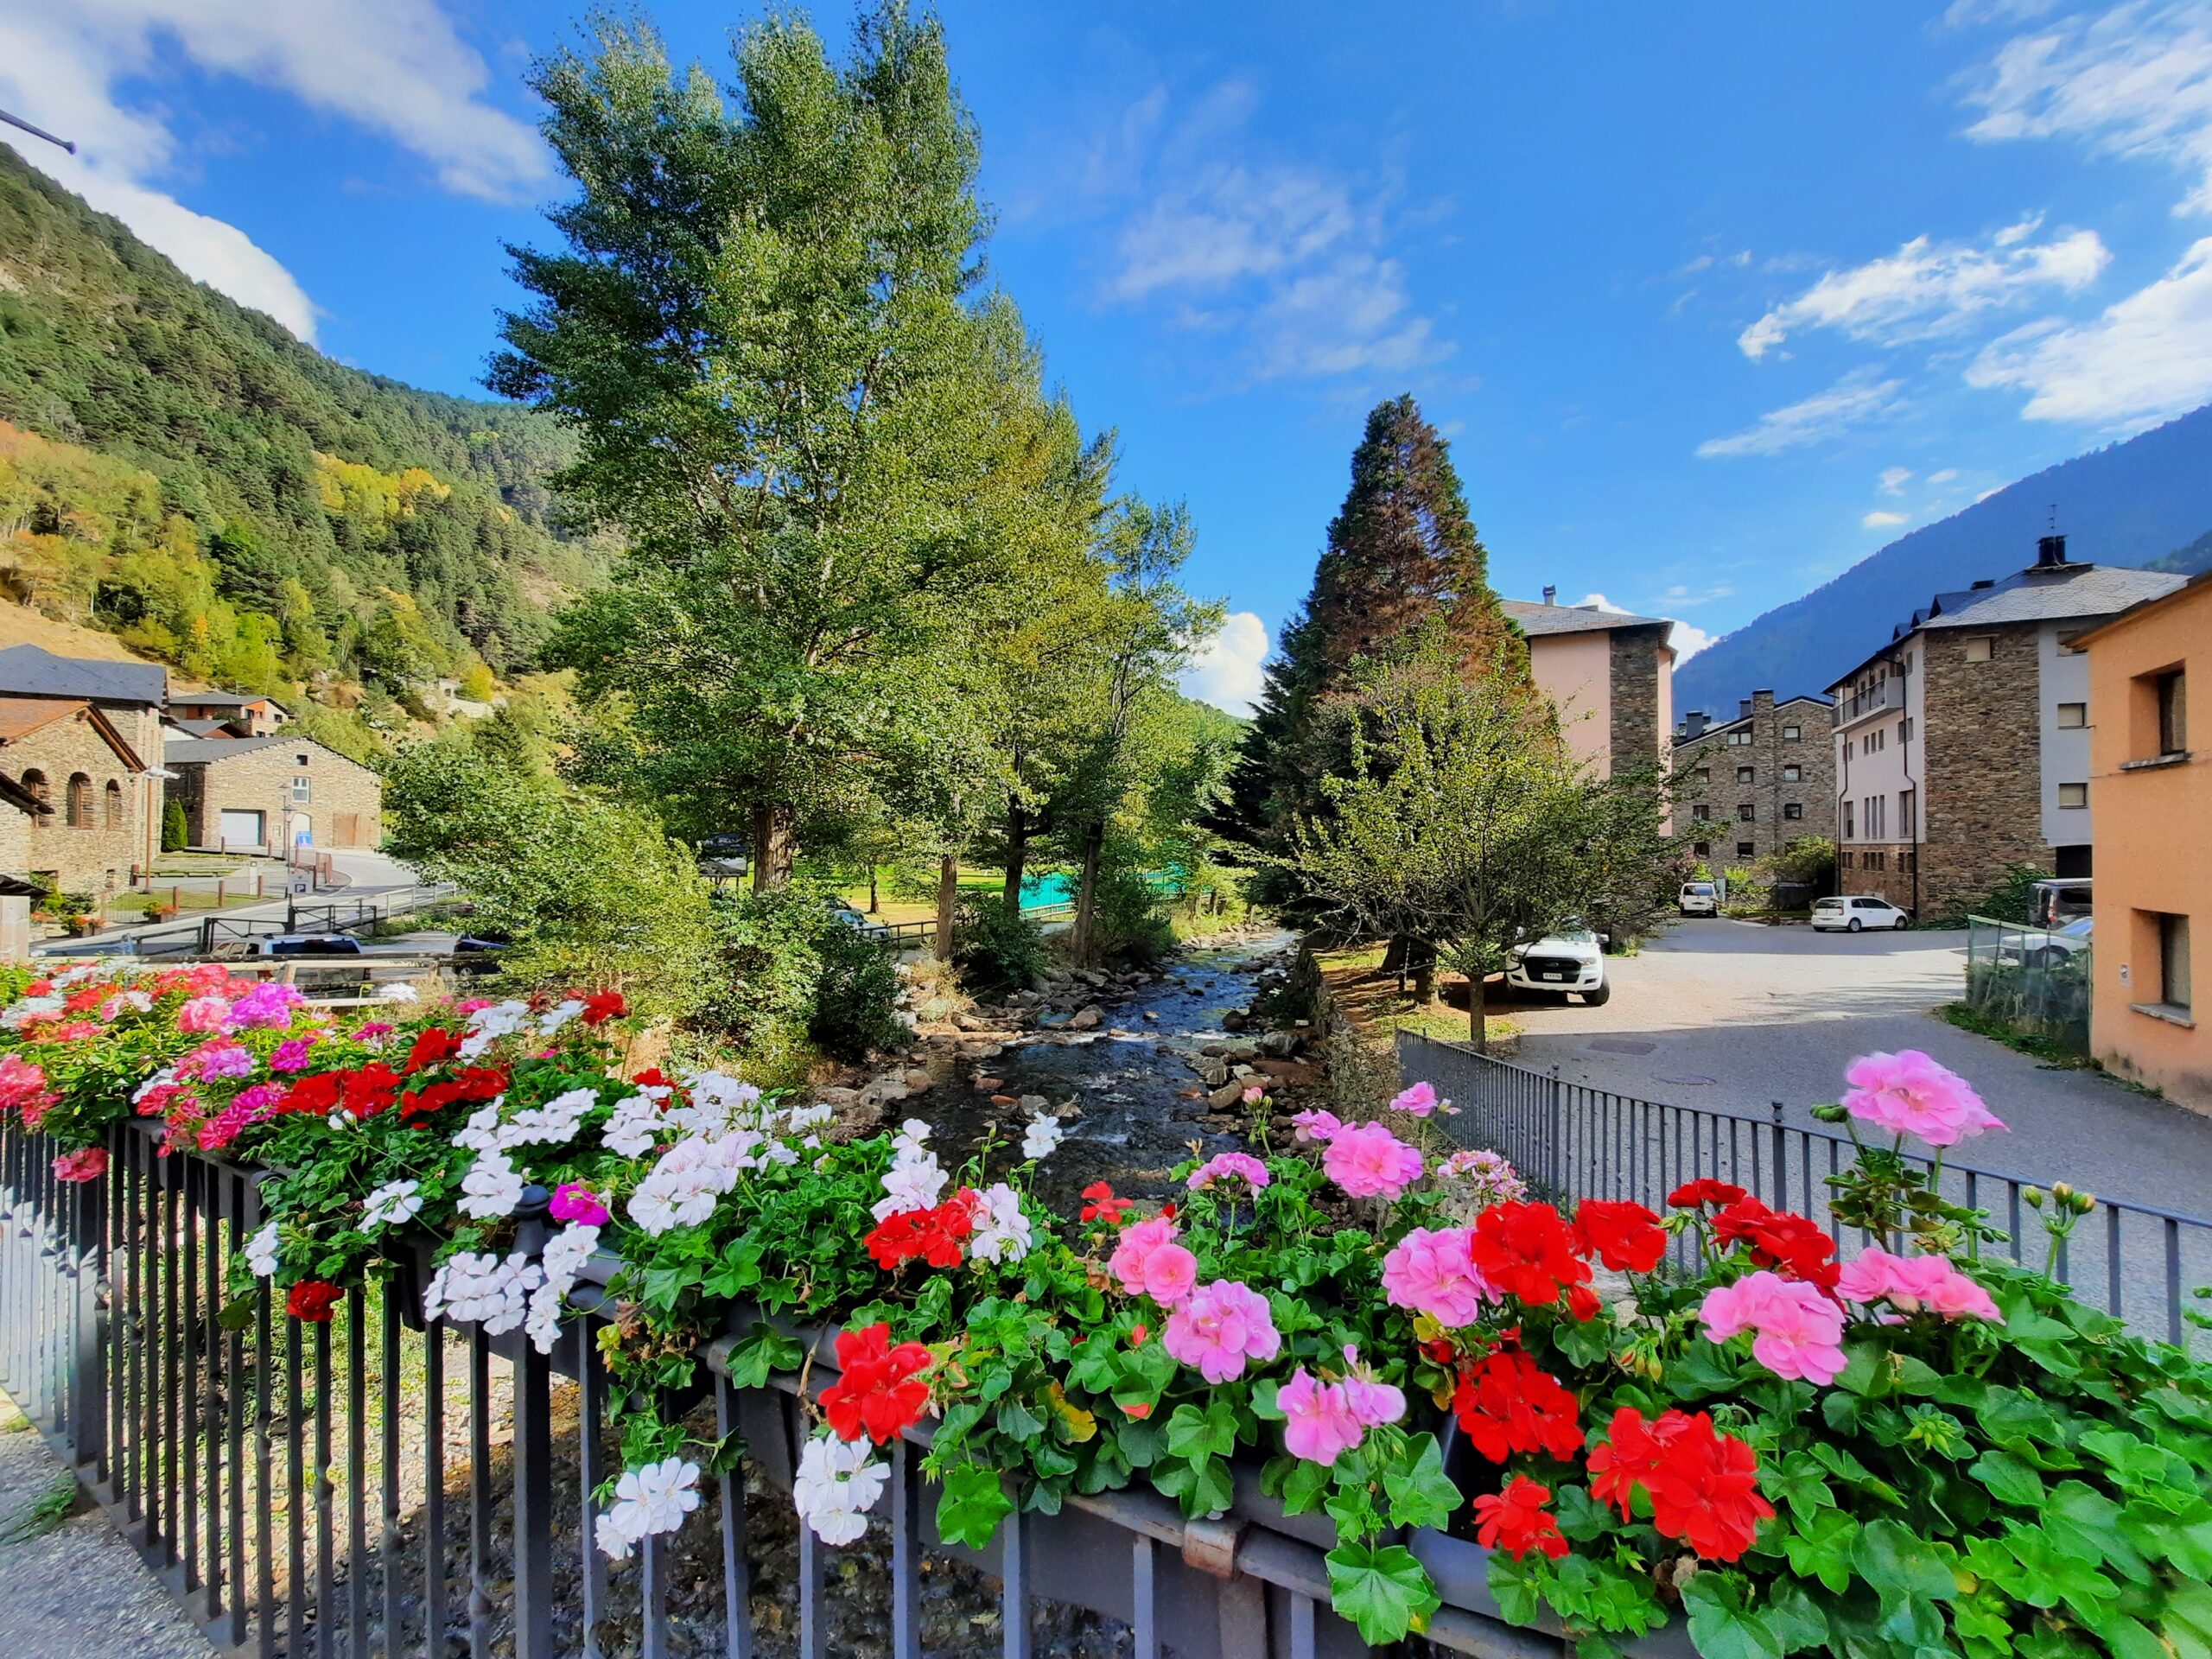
<point x="2061" y="1192"/>
<point x="1830" y="1113"/>
<point x="2033" y="1196"/>
<point x="2084" y="1202"/>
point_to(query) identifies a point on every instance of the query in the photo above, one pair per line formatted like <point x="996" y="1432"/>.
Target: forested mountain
<point x="181" y="470"/>
<point x="2144" y="502"/>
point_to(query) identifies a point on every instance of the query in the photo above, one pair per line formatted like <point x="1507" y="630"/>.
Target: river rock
<point x="990" y="1085"/>
<point x="1214" y="1072"/>
<point x="887" y="1089"/>
<point x="1278" y="1045"/>
<point x="1233" y="1020"/>
<point x="920" y="1082"/>
<point x="1215" y="1049"/>
<point x="1003" y="1100"/>
<point x="1228" y="1095"/>
<point x="1087" y="1019"/>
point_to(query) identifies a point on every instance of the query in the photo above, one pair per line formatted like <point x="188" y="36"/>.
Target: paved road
<point x="367" y="873"/>
<point x="1732" y="1015"/>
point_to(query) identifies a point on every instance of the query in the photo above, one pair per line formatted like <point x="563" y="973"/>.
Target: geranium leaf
<point x="1821" y="1548"/>
<point x="1420" y="1494"/>
<point x="1898" y="1564"/>
<point x="2009" y="1480"/>
<point x="1384" y="1591"/>
<point x="1721" y="1627"/>
<point x="970" y="1508"/>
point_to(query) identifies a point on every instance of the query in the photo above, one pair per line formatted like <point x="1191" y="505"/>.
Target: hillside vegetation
<point x="181" y="472"/>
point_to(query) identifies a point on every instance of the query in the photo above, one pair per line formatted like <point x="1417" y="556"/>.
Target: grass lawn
<point x="1371" y="998"/>
<point x="980" y="880"/>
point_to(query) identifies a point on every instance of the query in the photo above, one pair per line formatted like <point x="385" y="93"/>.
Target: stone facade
<point x="293" y="788"/>
<point x="1984" y="789"/>
<point x="1639" y="736"/>
<point x="1790" y="792"/>
<point x="70" y="756"/>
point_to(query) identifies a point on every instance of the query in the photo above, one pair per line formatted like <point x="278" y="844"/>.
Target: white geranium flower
<point x="558" y="1015"/>
<point x="634" y="1127"/>
<point x="492" y="1188"/>
<point x="399" y="991"/>
<point x="484" y="1289"/>
<point x="261" y="1252"/>
<point x="481" y="1132"/>
<point x="393" y="1204"/>
<point x="910" y="1183"/>
<point x="1003" y="1231"/>
<point x="553" y="1124"/>
<point x="836" y="1484"/>
<point x="488" y="1024"/>
<point x="566" y="1252"/>
<point x="1043" y="1134"/>
<point x="655" y="1498"/>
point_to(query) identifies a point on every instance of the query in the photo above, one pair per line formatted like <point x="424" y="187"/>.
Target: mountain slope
<point x="202" y="469"/>
<point x="2134" y="504"/>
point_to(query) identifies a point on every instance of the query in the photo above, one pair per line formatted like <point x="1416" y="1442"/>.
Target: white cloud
<point x="1687" y="641"/>
<point x="1853" y="401"/>
<point x="2135" y="81"/>
<point x="1944" y="476"/>
<point x="1894" y="478"/>
<point x="1288" y="260"/>
<point x="395" y="67"/>
<point x="2147" y="357"/>
<point x="1926" y="289"/>
<point x="1878" y="520"/>
<point x="1679" y="598"/>
<point x="1599" y="603"/>
<point x="1227" y="673"/>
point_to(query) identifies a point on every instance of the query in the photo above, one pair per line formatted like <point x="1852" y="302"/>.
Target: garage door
<point x="241" y="829"/>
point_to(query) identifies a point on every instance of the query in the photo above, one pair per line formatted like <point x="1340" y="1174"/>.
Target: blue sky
<point x="1712" y="301"/>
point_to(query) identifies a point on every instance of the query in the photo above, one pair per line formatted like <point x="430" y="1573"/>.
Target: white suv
<point x="1570" y="960"/>
<point x="1855" y="911"/>
<point x="1700" y="899"/>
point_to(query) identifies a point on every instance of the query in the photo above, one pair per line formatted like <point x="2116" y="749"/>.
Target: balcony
<point x="1885" y="698"/>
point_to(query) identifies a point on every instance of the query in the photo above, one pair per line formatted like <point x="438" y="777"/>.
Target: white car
<point x="2060" y="944"/>
<point x="1700" y="899"/>
<point x="1856" y="912"/>
<point x="1573" y="959"/>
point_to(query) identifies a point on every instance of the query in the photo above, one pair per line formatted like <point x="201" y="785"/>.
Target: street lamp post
<point x="36" y="132"/>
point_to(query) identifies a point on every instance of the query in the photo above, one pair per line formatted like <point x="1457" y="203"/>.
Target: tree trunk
<point x="874" y="905"/>
<point x="1420" y="958"/>
<point x="948" y="889"/>
<point x="1477" y="1022"/>
<point x="1017" y="854"/>
<point x="1086" y="899"/>
<point x="1394" y="960"/>
<point x="773" y="849"/>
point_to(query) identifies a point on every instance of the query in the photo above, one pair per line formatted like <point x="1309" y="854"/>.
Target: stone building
<point x="269" y="794"/>
<point x="67" y="755"/>
<point x="1611" y="676"/>
<point x="225" y="714"/>
<point x="127" y="700"/>
<point x="1961" y="748"/>
<point x="1746" y="787"/>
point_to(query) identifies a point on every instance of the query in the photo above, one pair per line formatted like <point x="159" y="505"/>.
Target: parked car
<point x="2048" y="949"/>
<point x="309" y="944"/>
<point x="2059" y="899"/>
<point x="1854" y="912"/>
<point x="1700" y="899"/>
<point x="1573" y="959"/>
<point x="479" y="953"/>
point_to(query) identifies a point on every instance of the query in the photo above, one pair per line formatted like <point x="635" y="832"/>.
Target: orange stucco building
<point x="2150" y="689"/>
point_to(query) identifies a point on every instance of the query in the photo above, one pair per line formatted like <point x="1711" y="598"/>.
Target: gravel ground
<point x="77" y="1591"/>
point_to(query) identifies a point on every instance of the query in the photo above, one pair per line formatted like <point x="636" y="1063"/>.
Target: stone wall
<point x="1638" y="735"/>
<point x="1769" y="793"/>
<point x="1983" y="794"/>
<point x="341" y="804"/>
<point x="104" y="848"/>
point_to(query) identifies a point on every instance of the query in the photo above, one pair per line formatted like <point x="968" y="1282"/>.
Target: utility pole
<point x="36" y="132"/>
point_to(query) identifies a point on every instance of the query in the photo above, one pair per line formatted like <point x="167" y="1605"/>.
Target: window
<point x="1701" y="849"/>
<point x="1874" y="810"/>
<point x="1792" y="774"/>
<point x="2073" y="795"/>
<point x="1978" y="648"/>
<point x="1704" y="775"/>
<point x="1747" y="813"/>
<point x="1740" y="739"/>
<point x="1793" y="810"/>
<point x="1744" y="774"/>
<point x="2173" y="712"/>
<point x="1746" y="850"/>
<point x="1905" y="729"/>
<point x="114" y="819"/>
<point x="1908" y="811"/>
<point x="302" y="791"/>
<point x="35" y="782"/>
<point x="1792" y="733"/>
<point x="1843" y="859"/>
<point x="1850" y="823"/>
<point x="304" y="759"/>
<point x="1701" y="813"/>
<point x="2173" y="962"/>
<point x="2073" y="715"/>
<point x="79" y="805"/>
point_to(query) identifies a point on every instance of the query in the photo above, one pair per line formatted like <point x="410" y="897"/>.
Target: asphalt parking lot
<point x="1732" y="1015"/>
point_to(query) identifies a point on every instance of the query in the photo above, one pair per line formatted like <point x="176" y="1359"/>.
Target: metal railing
<point x="2035" y="978"/>
<point x="1574" y="1142"/>
<point x="1889" y="694"/>
<point x="372" y="1485"/>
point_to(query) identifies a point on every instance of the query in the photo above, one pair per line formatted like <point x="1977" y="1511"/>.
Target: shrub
<point x="993" y="945"/>
<point x="799" y="977"/>
<point x="855" y="996"/>
<point x="176" y="833"/>
<point x="1130" y="921"/>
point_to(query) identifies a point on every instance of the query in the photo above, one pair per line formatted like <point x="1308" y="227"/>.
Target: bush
<point x="177" y="834"/>
<point x="799" y="977"/>
<point x="856" y="997"/>
<point x="1129" y="922"/>
<point x="993" y="945"/>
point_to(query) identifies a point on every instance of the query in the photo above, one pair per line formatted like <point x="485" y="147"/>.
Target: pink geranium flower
<point x="203" y="1013"/>
<point x="268" y="1006"/>
<point x="1371" y="1400"/>
<point x="1420" y="1100"/>
<point x="1319" y="1425"/>
<point x="1242" y="1164"/>
<point x="1314" y="1124"/>
<point x="1796" y="1332"/>
<point x="1220" y="1326"/>
<point x="573" y="1201"/>
<point x="292" y="1054"/>
<point x="1909" y="1283"/>
<point x="1908" y="1093"/>
<point x="86" y="1164"/>
<point x="1370" y="1162"/>
<point x="1430" y="1271"/>
<point x="19" y="1081"/>
<point x="1149" y="1262"/>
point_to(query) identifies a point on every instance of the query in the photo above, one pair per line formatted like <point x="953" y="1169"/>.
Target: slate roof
<point x="199" y="751"/>
<point x="2051" y="594"/>
<point x="32" y="670"/>
<point x="1536" y="619"/>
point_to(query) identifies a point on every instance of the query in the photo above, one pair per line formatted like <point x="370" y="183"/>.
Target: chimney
<point x="1743" y="707"/>
<point x="1551" y="594"/>
<point x="1985" y="582"/>
<point x="1693" y="724"/>
<point x="2051" y="551"/>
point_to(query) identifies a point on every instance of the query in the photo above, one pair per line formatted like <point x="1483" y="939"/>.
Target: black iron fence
<point x="1574" y="1142"/>
<point x="370" y="1485"/>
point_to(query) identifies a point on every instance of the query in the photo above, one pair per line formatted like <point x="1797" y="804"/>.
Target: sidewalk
<point x="78" y="1590"/>
<point x="368" y="874"/>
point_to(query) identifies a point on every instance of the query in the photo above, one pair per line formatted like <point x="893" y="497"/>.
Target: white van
<point x="1700" y="899"/>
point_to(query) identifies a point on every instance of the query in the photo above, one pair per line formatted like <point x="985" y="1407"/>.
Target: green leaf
<point x="1721" y="1627"/>
<point x="1192" y="1432"/>
<point x="1420" y="1494"/>
<point x="1017" y="1422"/>
<point x="970" y="1508"/>
<point x="1795" y="1622"/>
<point x="2009" y="1480"/>
<point x="1799" y="1482"/>
<point x="764" y="1351"/>
<point x="1821" y="1548"/>
<point x="2083" y="1523"/>
<point x="1898" y="1564"/>
<point x="1382" y="1591"/>
<point x="1303" y="1486"/>
<point x="1202" y="1485"/>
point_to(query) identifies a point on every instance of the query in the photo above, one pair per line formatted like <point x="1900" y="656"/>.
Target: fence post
<point x="88" y="1330"/>
<point x="1781" y="1164"/>
<point x="1552" y="1150"/>
<point x="533" y="1505"/>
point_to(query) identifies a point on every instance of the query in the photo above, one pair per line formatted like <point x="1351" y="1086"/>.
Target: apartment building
<point x="2150" y="671"/>
<point x="1961" y="748"/>
<point x="1744" y="788"/>
<point x="1609" y="674"/>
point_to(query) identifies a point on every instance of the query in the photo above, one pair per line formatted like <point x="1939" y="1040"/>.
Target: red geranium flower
<point x="1695" y="1195"/>
<point x="651" y="1078"/>
<point x="1582" y="1302"/>
<point x="432" y="1048"/>
<point x="470" y="1083"/>
<point x="603" y="1006"/>
<point x="1526" y="1250"/>
<point x="1702" y="1485"/>
<point x="1626" y="1237"/>
<point x="1507" y="1403"/>
<point x="312" y="1300"/>
<point x="933" y="1235"/>
<point x="1516" y="1521"/>
<point x="1779" y="1239"/>
<point x="880" y="1393"/>
<point x="1104" y="1206"/>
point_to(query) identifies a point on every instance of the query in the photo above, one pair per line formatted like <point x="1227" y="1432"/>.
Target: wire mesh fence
<point x="2035" y="978"/>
